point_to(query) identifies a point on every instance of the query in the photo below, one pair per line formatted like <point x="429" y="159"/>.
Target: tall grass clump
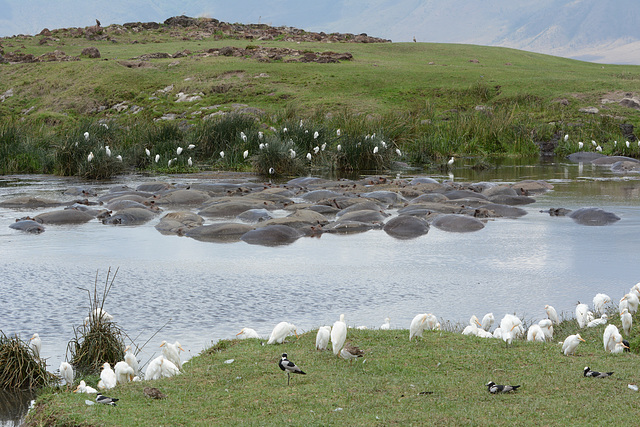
<point x="278" y="157"/>
<point x="223" y="134"/>
<point x="97" y="340"/>
<point x="364" y="153"/>
<point x="19" y="368"/>
<point x="20" y="151"/>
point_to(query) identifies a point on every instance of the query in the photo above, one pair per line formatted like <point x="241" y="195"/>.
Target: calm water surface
<point x="209" y="291"/>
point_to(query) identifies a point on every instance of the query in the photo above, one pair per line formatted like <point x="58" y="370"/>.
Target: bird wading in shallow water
<point x="497" y="388"/>
<point x="595" y="374"/>
<point x="289" y="367"/>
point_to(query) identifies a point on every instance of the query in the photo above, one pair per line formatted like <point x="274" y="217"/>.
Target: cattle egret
<point x="323" y="146"/>
<point x="124" y="372"/>
<point x="322" y="338"/>
<point x="629" y="301"/>
<point x="98" y="314"/>
<point x="119" y="157"/>
<point x="172" y="352"/>
<point x="375" y="149"/>
<point x="169" y="163"/>
<point x="472" y="328"/>
<point x="387" y="324"/>
<point x="552" y="314"/>
<point x="599" y="149"/>
<point x="178" y="150"/>
<point x="66" y="372"/>
<point x="284" y="130"/>
<point x="595" y="144"/>
<point x="547" y="328"/>
<point x="190" y="162"/>
<point x="245" y="154"/>
<point x="566" y="137"/>
<point x="487" y="321"/>
<point x="243" y="136"/>
<point x="338" y="335"/>
<point x="247" y="333"/>
<point x="292" y="153"/>
<point x="107" y="150"/>
<point x="627" y="320"/>
<point x="316" y="149"/>
<point x="260" y="135"/>
<point x="154" y="371"/>
<point x="191" y="147"/>
<point x="570" y="343"/>
<point x="35" y="344"/>
<point x="338" y="132"/>
<point x="222" y="154"/>
<point x="600" y="301"/>
<point x="309" y="156"/>
<point x="417" y="326"/>
<point x="611" y="337"/>
<point x="580" y="145"/>
<point x="168" y="368"/>
<point x="108" y="378"/>
<point x="582" y="311"/>
<point x="147" y="152"/>
<point x="289" y="367"/>
<point x="597" y="322"/>
<point x="157" y="158"/>
<point x="316" y="135"/>
<point x="627" y="144"/>
<point x="339" y="147"/>
<point x="535" y="333"/>
<point x="86" y="136"/>
<point x="511" y="327"/>
<point x="451" y="160"/>
<point x="131" y="360"/>
<point x="84" y="388"/>
<point x="398" y="152"/>
<point x="281" y="331"/>
<point x="90" y="156"/>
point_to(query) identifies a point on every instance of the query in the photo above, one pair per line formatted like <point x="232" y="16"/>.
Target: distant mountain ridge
<point x="605" y="31"/>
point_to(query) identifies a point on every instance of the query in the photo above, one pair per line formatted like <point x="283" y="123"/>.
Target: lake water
<point x="204" y="292"/>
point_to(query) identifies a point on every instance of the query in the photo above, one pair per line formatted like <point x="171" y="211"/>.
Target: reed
<point x="19" y="368"/>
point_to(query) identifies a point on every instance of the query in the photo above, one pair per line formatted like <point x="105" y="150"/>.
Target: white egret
<point x="281" y="331"/>
<point x="119" y="157"/>
<point x="292" y="153"/>
<point x="284" y="130"/>
<point x="484" y="334"/>
<point x="487" y="321"/>
<point x="168" y="368"/>
<point x="243" y="136"/>
<point x="172" y="352"/>
<point x="86" y="136"/>
<point x="261" y="146"/>
<point x="316" y="149"/>
<point x="387" y="324"/>
<point x="323" y="146"/>
<point x="84" y="388"/>
<point x="191" y="147"/>
<point x="547" y="328"/>
<point x="272" y="171"/>
<point x="451" y="160"/>
<point x="375" y="149"/>
<point x="472" y="328"/>
<point x="581" y="315"/>
<point x="630" y="301"/>
<point x="636" y="289"/>
<point x="154" y="371"/>
<point x="599" y="149"/>
<point x="594" y="143"/>
<point x="338" y="132"/>
<point x="322" y="337"/>
<point x="245" y="154"/>
<point x="90" y="156"/>
<point x="289" y="367"/>
<point x="566" y="137"/>
<point x="108" y="378"/>
<point x="124" y="372"/>
<point x="222" y="154"/>
<point x="417" y="326"/>
<point x="338" y="335"/>
<point x="627" y="321"/>
<point x="384" y="144"/>
<point x="580" y="145"/>
<point x="131" y="360"/>
<point x="247" y="333"/>
<point x="157" y="158"/>
<point x="190" y="162"/>
<point x="260" y="135"/>
<point x="309" y="156"/>
<point x="597" y="322"/>
<point x="552" y="314"/>
<point x="35" y="344"/>
<point x="497" y="333"/>
<point x="316" y="135"/>
<point x="535" y="333"/>
<point x="570" y="343"/>
<point x="107" y="150"/>
<point x="610" y="337"/>
<point x="66" y="372"/>
<point x="511" y="327"/>
<point x="147" y="152"/>
<point x="339" y="147"/>
<point x="398" y="152"/>
<point x="600" y="301"/>
<point x="627" y="144"/>
<point x="98" y="314"/>
<point x="178" y="150"/>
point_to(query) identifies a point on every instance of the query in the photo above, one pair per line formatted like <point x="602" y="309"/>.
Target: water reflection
<point x="209" y="291"/>
<point x="14" y="406"/>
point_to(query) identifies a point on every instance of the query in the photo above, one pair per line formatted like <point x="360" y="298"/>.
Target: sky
<point x="605" y="31"/>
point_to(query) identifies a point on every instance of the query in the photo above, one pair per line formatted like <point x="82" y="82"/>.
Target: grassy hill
<point x="432" y="100"/>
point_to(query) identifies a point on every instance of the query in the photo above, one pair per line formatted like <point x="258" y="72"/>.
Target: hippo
<point x="504" y="211"/>
<point x="229" y="208"/>
<point x="423" y="180"/>
<point x="610" y="160"/>
<point x="364" y="205"/>
<point x="500" y="190"/>
<point x="464" y="194"/>
<point x="364" y="216"/>
<point x="584" y="156"/>
<point x="255" y="215"/>
<point x="593" y="216"/>
<point x="118" y="205"/>
<point x="178" y="222"/>
<point x="417" y="209"/>
<point x="406" y="227"/>
<point x="271" y="235"/>
<point x="96" y="213"/>
<point x="65" y="216"/>
<point x="504" y="199"/>
<point x="130" y="216"/>
<point x="183" y="197"/>
<point x="154" y="187"/>
<point x="28" y="225"/>
<point x="80" y="191"/>
<point x="626" y="166"/>
<point x="324" y="209"/>
<point x="216" y="189"/>
<point x="350" y="227"/>
<point x="220" y="232"/>
<point x="30" y="202"/>
<point x="457" y="223"/>
<point x="389" y="198"/>
<point x="317" y="195"/>
<point x="429" y="198"/>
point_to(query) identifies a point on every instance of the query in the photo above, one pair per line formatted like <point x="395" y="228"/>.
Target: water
<point x="204" y="292"/>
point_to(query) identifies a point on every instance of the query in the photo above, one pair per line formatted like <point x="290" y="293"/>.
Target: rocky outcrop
<point x="90" y="52"/>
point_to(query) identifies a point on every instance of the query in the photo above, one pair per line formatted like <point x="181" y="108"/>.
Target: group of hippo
<point x="277" y="214"/>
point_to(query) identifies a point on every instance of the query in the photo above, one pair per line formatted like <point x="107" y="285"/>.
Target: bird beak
<point x="162" y="344"/>
<point x="512" y="328"/>
<point x="181" y="348"/>
<point x="581" y="339"/>
<point x="238" y="333"/>
<point x="295" y="332"/>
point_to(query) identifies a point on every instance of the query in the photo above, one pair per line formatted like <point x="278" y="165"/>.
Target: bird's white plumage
<point x="630" y="301"/>
<point x="154" y="371"/>
<point x="66" y="372"/>
<point x="107" y="377"/>
<point x="281" y="331"/>
<point x="35" y="344"/>
<point x="627" y="321"/>
<point x="552" y="314"/>
<point x="611" y="337"/>
<point x="488" y="321"/>
<point x="131" y="360"/>
<point x="417" y="325"/>
<point x="247" y="333"/>
<point x="602" y="320"/>
<point x="547" y="328"/>
<point x="124" y="372"/>
<point x="511" y="327"/>
<point x="172" y="352"/>
<point x="386" y="325"/>
<point x="535" y="333"/>
<point x="84" y="388"/>
<point x="168" y="368"/>
<point x="338" y="335"/>
<point x="322" y="337"/>
<point x="599" y="302"/>
<point x="571" y="343"/>
<point x="581" y="315"/>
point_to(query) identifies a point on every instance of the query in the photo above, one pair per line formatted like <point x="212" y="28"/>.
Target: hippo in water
<point x="272" y="235"/>
<point x="28" y="225"/>
<point x="406" y="227"/>
<point x="593" y="216"/>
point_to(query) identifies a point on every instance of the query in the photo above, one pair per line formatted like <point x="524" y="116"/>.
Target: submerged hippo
<point x="28" y="225"/>
<point x="65" y="216"/>
<point x="178" y="222"/>
<point x="272" y="235"/>
<point x="406" y="227"/>
<point x="457" y="223"/>
<point x="130" y="216"/>
<point x="220" y="232"/>
<point x="593" y="216"/>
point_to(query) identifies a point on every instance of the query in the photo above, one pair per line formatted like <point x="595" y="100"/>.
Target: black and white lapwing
<point x="496" y="388"/>
<point x="595" y="374"/>
<point x="289" y="367"/>
<point x="106" y="400"/>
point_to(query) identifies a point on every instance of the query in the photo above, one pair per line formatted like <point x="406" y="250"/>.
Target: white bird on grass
<point x="168" y="368"/>
<point x="35" y="344"/>
<point x="309" y="156"/>
<point x="86" y="136"/>
<point x="580" y="145"/>
<point x="627" y="321"/>
<point x="597" y="322"/>
<point x="417" y="325"/>
<point x="322" y="337"/>
<point x="178" y="150"/>
<point x="582" y="311"/>
<point x="247" y="333"/>
<point x="90" y="156"/>
<point x="535" y="333"/>
<point x="611" y="337"/>
<point x="571" y="343"/>
<point x="243" y="136"/>
<point x="627" y="144"/>
<point x="124" y="372"/>
<point x="190" y="162"/>
<point x="84" y="388"/>
<point x="281" y="331"/>
<point x="600" y="301"/>
<point x="629" y="301"/>
<point x="108" y="378"/>
<point x="131" y="360"/>
<point x="488" y="321"/>
<point x="511" y="327"/>
<point x="339" y="147"/>
<point x="338" y="335"/>
<point x="566" y="137"/>
<point x="316" y="135"/>
<point x="107" y="150"/>
<point x="547" y="328"/>
<point x="66" y="372"/>
<point x="472" y="328"/>
<point x="154" y="371"/>
<point x="172" y="352"/>
<point x="552" y="314"/>
<point x="119" y="157"/>
<point x="147" y="152"/>
<point x="157" y="158"/>
<point x="375" y="149"/>
<point x="398" y="152"/>
<point x="222" y="154"/>
<point x="191" y="147"/>
<point x="387" y="324"/>
<point x="245" y="154"/>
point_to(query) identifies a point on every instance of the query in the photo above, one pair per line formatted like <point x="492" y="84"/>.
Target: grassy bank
<point x="436" y="380"/>
<point x="430" y="101"/>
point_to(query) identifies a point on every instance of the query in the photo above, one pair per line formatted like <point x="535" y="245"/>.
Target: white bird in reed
<point x="281" y="331"/>
<point x="124" y="372"/>
<point x="292" y="153"/>
<point x="597" y="322"/>
<point x="108" y="378"/>
<point x="131" y="360"/>
<point x="566" y="137"/>
<point x="157" y="158"/>
<point x="84" y="388"/>
<point x="309" y="156"/>
<point x="86" y="136"/>
<point x="398" y="152"/>
<point x="488" y="321"/>
<point x="450" y="162"/>
<point x="90" y="156"/>
<point x="316" y="135"/>
<point x="375" y="149"/>
<point x="172" y="352"/>
<point x="571" y="343"/>
<point x="387" y="324"/>
<point x="600" y="301"/>
<point x="189" y="162"/>
<point x="323" y="146"/>
<point x="338" y="335"/>
<point x="552" y="314"/>
<point x="261" y="146"/>
<point x="284" y="130"/>
<point x="147" y="152"/>
<point x="178" y="150"/>
<point x="535" y="333"/>
<point x="66" y="372"/>
<point x="35" y="344"/>
<point x="322" y="337"/>
<point x="339" y="147"/>
<point x="107" y="150"/>
<point x="417" y="325"/>
<point x="511" y="327"/>
<point x="338" y="132"/>
<point x="191" y="147"/>
<point x="245" y="154"/>
<point x="98" y="314"/>
<point x="627" y="144"/>
<point x="243" y="136"/>
<point x="247" y="333"/>
<point x="547" y="328"/>
<point x="599" y="149"/>
<point x="222" y="154"/>
<point x="260" y="135"/>
<point x="580" y="145"/>
<point x="627" y="321"/>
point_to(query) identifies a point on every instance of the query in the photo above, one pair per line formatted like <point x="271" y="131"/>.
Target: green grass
<point x="384" y="389"/>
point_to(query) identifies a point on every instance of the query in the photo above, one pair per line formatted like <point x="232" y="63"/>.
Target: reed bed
<point x="19" y="368"/>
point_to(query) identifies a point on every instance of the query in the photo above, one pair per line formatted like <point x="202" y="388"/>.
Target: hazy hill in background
<point x="605" y="31"/>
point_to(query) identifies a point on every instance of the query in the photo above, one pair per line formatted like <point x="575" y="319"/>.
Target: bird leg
<point x="288" y="377"/>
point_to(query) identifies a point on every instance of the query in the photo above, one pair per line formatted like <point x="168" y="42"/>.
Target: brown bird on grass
<point x="154" y="393"/>
<point x="350" y="352"/>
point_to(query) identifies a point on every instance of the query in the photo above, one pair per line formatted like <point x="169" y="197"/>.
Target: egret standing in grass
<point x="66" y="372"/>
<point x="322" y="337"/>
<point x="107" y="150"/>
<point x="131" y="360"/>
<point x="190" y="162"/>
<point x="552" y="314"/>
<point x="157" y="158"/>
<point x="571" y="343"/>
<point x="547" y="328"/>
<point x="178" y="150"/>
<point x="600" y="301"/>
<point x="90" y="156"/>
<point x="487" y="321"/>
<point x="627" y="320"/>
<point x="338" y="335"/>
<point x="108" y="378"/>
<point x="245" y="154"/>
<point x="247" y="333"/>
<point x="281" y="331"/>
<point x="387" y="324"/>
<point x="582" y="311"/>
<point x="417" y="325"/>
<point x="172" y="352"/>
<point x="289" y="367"/>
<point x="580" y="145"/>
<point x="35" y="344"/>
<point x="86" y="136"/>
<point x="124" y="372"/>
